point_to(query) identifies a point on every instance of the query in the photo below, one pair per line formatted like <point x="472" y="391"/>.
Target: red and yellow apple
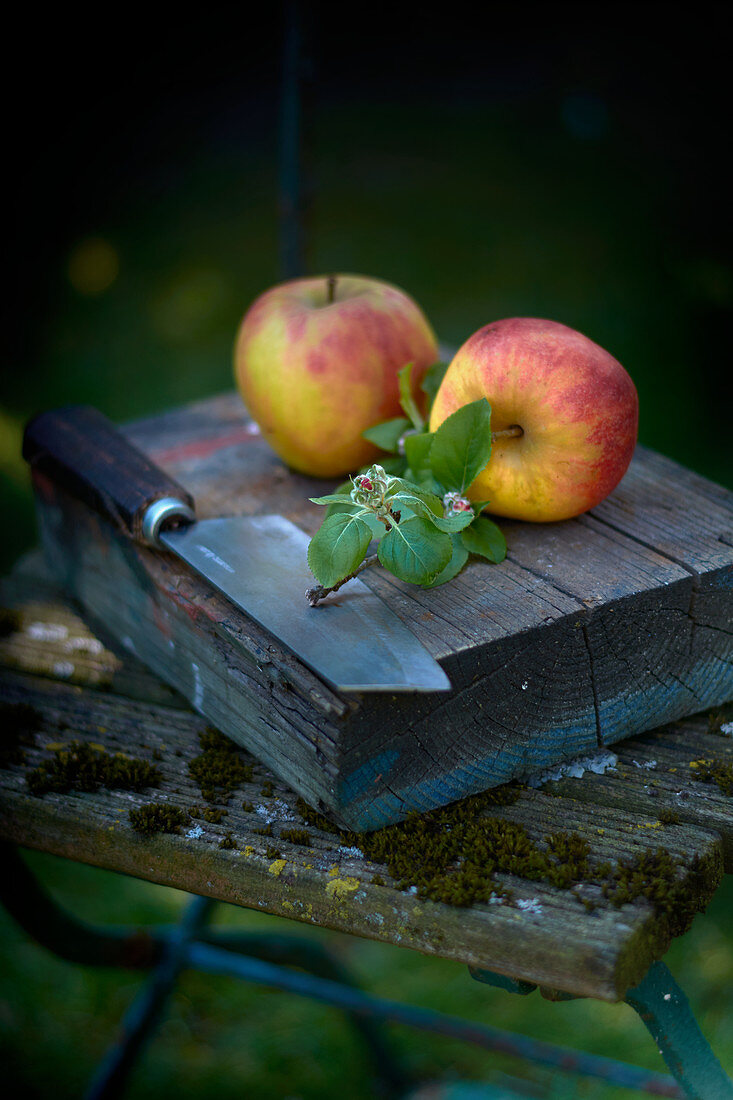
<point x="316" y="362"/>
<point x="563" y="410"/>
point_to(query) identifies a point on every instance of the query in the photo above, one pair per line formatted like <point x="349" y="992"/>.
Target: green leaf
<point x="417" y="453"/>
<point x="387" y="434"/>
<point x="407" y="401"/>
<point x="454" y="523"/>
<point x="377" y="529"/>
<point x="414" y="551"/>
<point x="484" y="537"/>
<point x="462" y="445"/>
<point x="479" y="505"/>
<point x="337" y="547"/>
<point x="429" y="507"/>
<point x="433" y="377"/>
<point x="332" y="498"/>
<point x="458" y="559"/>
<point x="417" y="503"/>
<point x="344" y="489"/>
<point x="401" y="485"/>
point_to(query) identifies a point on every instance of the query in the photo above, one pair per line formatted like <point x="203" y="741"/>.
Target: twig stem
<point x="313" y="595"/>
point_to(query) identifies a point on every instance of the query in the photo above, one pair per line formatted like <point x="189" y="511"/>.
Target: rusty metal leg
<point x="146" y="1010"/>
<point x="64" y="934"/>
<point x="665" y="1012"/>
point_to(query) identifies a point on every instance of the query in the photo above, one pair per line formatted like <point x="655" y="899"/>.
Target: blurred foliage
<point x="487" y="209"/>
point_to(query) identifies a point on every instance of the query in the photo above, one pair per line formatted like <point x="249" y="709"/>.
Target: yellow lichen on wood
<point x="339" y="889"/>
<point x="276" y="867"/>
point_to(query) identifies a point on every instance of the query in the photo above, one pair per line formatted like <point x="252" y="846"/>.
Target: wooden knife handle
<point x="79" y="449"/>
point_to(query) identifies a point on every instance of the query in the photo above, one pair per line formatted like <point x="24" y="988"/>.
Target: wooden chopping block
<point x="592" y="630"/>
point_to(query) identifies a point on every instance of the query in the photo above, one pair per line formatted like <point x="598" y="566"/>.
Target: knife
<point x="353" y="641"/>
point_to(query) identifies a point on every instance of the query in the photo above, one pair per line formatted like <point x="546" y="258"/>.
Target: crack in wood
<point x="549" y="581"/>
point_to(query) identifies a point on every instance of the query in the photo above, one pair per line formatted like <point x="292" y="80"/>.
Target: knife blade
<point x="352" y="640"/>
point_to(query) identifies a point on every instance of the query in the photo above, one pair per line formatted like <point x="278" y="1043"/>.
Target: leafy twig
<point x="431" y="526"/>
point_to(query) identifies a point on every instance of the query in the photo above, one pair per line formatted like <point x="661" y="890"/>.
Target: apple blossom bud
<point x="370" y="489"/>
<point x="454" y="503"/>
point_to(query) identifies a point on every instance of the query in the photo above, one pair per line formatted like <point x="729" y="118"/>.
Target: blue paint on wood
<point x="381" y="806"/>
<point x="358" y="783"/>
<point x="628" y="713"/>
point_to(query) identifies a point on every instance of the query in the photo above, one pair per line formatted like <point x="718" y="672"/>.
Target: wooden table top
<point x="644" y="796"/>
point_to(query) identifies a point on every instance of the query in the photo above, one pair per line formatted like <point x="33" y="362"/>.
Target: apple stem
<point x="313" y="595"/>
<point x="513" y="432"/>
<point x="331" y="293"/>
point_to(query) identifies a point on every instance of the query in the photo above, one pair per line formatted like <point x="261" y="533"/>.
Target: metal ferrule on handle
<point x="163" y="513"/>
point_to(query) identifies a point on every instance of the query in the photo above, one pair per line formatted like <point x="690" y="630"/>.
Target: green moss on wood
<point x="266" y="830"/>
<point x="227" y="841"/>
<point x="273" y="853"/>
<point x="248" y="807"/>
<point x="455" y="854"/>
<point x="676" y="892"/>
<point x="208" y="813"/>
<point x="718" y="718"/>
<point x="219" y="768"/>
<point x="82" y="767"/>
<point x="296" y="836"/>
<point x="267" y="789"/>
<point x="314" y="818"/>
<point x="719" y="772"/>
<point x="669" y="817"/>
<point x="157" y="817"/>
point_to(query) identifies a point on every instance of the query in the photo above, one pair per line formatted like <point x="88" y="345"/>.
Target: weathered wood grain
<point x="593" y="630"/>
<point x="556" y="942"/>
<point x="653" y="776"/>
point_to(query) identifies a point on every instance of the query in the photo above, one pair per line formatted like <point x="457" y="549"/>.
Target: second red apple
<point x="564" y="410"/>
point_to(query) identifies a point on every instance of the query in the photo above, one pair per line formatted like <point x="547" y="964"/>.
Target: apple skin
<point x="315" y="375"/>
<point x="576" y="405"/>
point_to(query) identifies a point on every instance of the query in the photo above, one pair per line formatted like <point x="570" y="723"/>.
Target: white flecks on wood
<point x="529" y="905"/>
<point x="47" y="632"/>
<point x="63" y="669"/>
<point x="599" y="763"/>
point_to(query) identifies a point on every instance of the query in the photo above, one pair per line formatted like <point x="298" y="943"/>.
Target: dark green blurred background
<point x="563" y="161"/>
